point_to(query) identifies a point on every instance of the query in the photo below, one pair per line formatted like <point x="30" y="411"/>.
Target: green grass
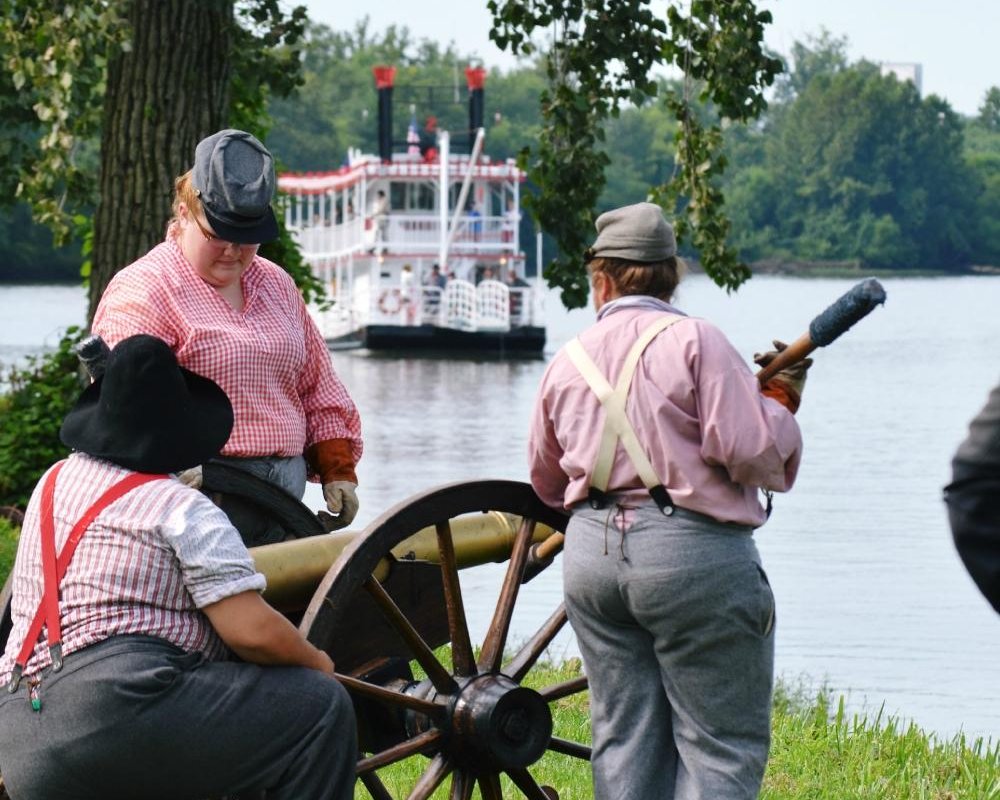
<point x="818" y="752"/>
<point x="822" y="753"/>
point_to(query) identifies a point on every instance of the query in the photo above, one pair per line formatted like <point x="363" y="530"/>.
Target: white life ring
<point x="390" y="301"/>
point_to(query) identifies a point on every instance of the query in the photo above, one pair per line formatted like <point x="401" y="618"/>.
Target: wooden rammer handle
<point x="792" y="354"/>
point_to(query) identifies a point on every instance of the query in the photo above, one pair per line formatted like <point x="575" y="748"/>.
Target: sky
<point x="954" y="41"/>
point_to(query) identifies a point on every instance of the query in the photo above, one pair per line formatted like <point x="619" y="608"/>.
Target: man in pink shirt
<point x="654" y="433"/>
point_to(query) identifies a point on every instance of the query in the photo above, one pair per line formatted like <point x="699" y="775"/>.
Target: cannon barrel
<point x="295" y="568"/>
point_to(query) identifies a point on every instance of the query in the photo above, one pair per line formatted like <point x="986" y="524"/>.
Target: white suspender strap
<point x="616" y="422"/>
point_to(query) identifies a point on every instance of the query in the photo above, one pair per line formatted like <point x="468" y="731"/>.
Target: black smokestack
<point x="384" y="77"/>
<point x="475" y="77"/>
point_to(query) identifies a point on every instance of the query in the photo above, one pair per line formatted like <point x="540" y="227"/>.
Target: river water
<point x="872" y="599"/>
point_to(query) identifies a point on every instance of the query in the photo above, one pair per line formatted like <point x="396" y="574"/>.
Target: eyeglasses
<point x="212" y="239"/>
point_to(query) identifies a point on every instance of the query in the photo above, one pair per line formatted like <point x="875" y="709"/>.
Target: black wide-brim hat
<point x="147" y="413"/>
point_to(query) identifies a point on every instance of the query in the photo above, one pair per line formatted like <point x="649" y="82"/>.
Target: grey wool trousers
<point x="135" y="718"/>
<point x="674" y="620"/>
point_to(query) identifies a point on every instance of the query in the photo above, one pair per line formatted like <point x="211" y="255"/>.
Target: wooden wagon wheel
<point x="375" y="612"/>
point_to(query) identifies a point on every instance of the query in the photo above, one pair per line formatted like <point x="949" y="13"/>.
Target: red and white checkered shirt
<point x="270" y="358"/>
<point x="146" y="565"/>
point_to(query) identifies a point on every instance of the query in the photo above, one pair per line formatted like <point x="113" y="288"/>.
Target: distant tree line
<point x="846" y="165"/>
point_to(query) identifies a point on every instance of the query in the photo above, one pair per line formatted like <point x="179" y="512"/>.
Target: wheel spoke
<point x="559" y="690"/>
<point x="420" y="743"/>
<point x="389" y="697"/>
<point x="496" y="638"/>
<point x="431" y="779"/>
<point x="489" y="786"/>
<point x="523" y="780"/>
<point x="462" y="784"/>
<point x="375" y="787"/>
<point x="438" y="675"/>
<point x="461" y="646"/>
<point x="529" y="654"/>
<point x="568" y="748"/>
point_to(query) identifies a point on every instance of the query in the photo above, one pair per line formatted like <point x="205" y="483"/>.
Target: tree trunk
<point x="164" y="95"/>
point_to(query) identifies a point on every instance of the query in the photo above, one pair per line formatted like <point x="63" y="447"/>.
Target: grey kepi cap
<point x="234" y="177"/>
<point x="635" y="233"/>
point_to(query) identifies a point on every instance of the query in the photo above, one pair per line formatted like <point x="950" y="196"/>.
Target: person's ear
<point x="599" y="283"/>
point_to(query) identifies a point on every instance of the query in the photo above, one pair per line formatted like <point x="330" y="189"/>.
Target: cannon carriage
<point x="387" y="605"/>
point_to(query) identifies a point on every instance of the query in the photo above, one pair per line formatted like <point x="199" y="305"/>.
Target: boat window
<point x="420" y="196"/>
<point x="397" y="195"/>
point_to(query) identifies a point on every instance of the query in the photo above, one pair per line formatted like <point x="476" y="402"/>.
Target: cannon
<point x="387" y="605"/>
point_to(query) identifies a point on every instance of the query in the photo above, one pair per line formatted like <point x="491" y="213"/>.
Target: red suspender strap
<point x="53" y="569"/>
<point x="50" y="587"/>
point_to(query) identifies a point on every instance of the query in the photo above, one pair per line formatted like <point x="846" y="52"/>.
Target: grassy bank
<point x="818" y="752"/>
<point x="821" y="753"/>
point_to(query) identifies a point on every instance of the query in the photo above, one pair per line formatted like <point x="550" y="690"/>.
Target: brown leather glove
<point x="332" y="460"/>
<point x="786" y="385"/>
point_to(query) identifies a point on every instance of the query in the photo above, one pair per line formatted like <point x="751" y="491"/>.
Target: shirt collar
<point x="642" y="301"/>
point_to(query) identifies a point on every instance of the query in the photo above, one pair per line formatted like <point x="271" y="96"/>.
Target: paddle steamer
<point x="419" y="246"/>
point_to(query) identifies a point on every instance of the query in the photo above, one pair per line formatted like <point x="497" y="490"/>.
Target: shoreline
<point x="789" y="268"/>
<point x="848" y="269"/>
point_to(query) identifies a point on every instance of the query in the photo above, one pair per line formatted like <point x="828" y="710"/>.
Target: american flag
<point x="413" y="137"/>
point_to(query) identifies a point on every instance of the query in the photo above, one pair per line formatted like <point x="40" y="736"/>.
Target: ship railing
<point x="421" y="232"/>
<point x="469" y="307"/>
<point x="320" y="241"/>
<point x="488" y="306"/>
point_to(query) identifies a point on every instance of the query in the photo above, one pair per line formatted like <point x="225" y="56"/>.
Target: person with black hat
<point x="130" y="591"/>
<point x="237" y="318"/>
<point x="652" y="431"/>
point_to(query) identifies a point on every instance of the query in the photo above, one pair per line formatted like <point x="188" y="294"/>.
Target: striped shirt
<point x="146" y="565"/>
<point x="270" y="358"/>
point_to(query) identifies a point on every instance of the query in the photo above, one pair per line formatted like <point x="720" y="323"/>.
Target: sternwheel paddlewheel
<point x="473" y="720"/>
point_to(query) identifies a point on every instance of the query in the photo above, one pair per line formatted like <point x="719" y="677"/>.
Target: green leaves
<point x="48" y="51"/>
<point x="602" y="56"/>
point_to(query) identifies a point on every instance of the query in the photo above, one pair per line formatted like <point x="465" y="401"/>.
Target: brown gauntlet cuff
<point x="332" y="460"/>
<point x="783" y="393"/>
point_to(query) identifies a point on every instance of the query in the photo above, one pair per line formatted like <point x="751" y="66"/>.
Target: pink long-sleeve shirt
<point x="270" y="358"/>
<point x="712" y="438"/>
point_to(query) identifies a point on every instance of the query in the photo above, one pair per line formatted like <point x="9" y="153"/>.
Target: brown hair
<point x="658" y="278"/>
<point x="184" y="192"/>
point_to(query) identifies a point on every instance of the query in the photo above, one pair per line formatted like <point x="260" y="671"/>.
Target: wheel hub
<point x="499" y="724"/>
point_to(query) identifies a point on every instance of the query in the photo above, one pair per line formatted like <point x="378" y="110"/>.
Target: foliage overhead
<point x="602" y="57"/>
<point x="52" y="91"/>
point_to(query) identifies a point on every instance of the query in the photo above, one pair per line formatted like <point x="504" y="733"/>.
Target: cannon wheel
<point x="473" y="719"/>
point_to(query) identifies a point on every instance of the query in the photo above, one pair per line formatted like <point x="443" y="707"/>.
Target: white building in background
<point x="906" y="72"/>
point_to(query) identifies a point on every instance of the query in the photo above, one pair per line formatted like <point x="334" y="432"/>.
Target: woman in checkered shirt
<point x="238" y="319"/>
<point x="118" y="670"/>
